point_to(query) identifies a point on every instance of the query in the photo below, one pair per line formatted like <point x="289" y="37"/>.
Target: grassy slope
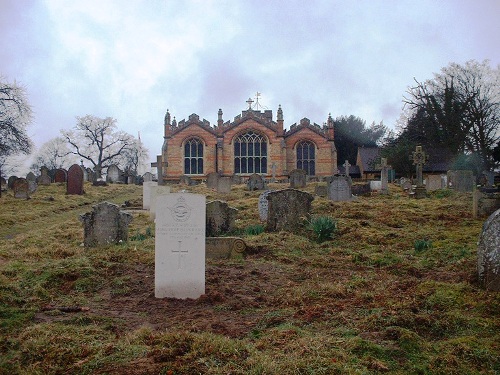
<point x="363" y="303"/>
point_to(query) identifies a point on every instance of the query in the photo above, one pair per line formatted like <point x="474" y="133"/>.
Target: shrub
<point x="421" y="245"/>
<point x="324" y="228"/>
<point x="254" y="230"/>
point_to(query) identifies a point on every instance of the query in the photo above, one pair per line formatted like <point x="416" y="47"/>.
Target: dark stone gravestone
<point x="361" y="189"/>
<point x="297" y="178"/>
<point x="339" y="188"/>
<point x="90" y="175"/>
<point x="10" y="182"/>
<point x="21" y="188"/>
<point x="288" y="209"/>
<point x="220" y="218"/>
<point x="321" y="190"/>
<point x="461" y="180"/>
<point x="44" y="178"/>
<point x="113" y="174"/>
<point x="104" y="225"/>
<point x="60" y="175"/>
<point x="224" y="247"/>
<point x="212" y="180"/>
<point x="31" y="177"/>
<point x="256" y="182"/>
<point x="74" y="184"/>
<point x="3" y="183"/>
<point x="488" y="253"/>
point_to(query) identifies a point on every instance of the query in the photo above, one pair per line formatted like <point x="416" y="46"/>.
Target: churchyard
<point x="394" y="291"/>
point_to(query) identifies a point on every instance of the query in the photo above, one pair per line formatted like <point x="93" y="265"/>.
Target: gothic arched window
<point x="193" y="156"/>
<point x="306" y="158"/>
<point x="250" y="153"/>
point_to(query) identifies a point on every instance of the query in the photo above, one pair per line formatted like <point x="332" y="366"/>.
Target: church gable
<point x="193" y="120"/>
<point x="252" y="117"/>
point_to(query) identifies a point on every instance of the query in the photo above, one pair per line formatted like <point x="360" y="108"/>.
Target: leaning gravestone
<point x="256" y="182"/>
<point x="180" y="246"/>
<point x="155" y="192"/>
<point x="298" y="178"/>
<point x="220" y="218"/>
<point x="339" y="188"/>
<point x="263" y="205"/>
<point x="44" y="178"/>
<point x="488" y="253"/>
<point x="288" y="209"/>
<point x="212" y="180"/>
<point x="224" y="185"/>
<point x="60" y="175"/>
<point x="105" y="225"/>
<point x="21" y="188"/>
<point x="74" y="184"/>
<point x="461" y="180"/>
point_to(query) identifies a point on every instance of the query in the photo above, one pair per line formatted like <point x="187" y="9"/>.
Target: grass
<point x="392" y="291"/>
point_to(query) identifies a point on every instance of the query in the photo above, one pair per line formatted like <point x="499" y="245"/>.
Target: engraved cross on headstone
<point x="179" y="251"/>
<point x="346" y="166"/>
<point x="419" y="158"/>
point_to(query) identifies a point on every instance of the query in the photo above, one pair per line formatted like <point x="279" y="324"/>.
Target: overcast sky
<point x="131" y="60"/>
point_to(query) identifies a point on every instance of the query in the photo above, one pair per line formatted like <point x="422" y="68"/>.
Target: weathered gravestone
<point x="461" y="180"/>
<point x="212" y="180"/>
<point x="105" y="225"/>
<point x="148" y="176"/>
<point x="384" y="176"/>
<point x="10" y="182"/>
<point x="288" y="209"/>
<point x="155" y="192"/>
<point x="488" y="253"/>
<point x="21" y="188"/>
<point x="488" y="178"/>
<point x="256" y="182"/>
<point x="376" y="186"/>
<point x="44" y="178"/>
<point x="224" y="247"/>
<point x="114" y="174"/>
<point x="224" y="185"/>
<point x="263" y="205"/>
<point x="91" y="177"/>
<point x="484" y="204"/>
<point x="321" y="190"/>
<point x="339" y="188"/>
<point x="31" y="177"/>
<point x="186" y="180"/>
<point x="236" y="179"/>
<point x="297" y="178"/>
<point x="32" y="185"/>
<point x="180" y="246"/>
<point x="407" y="186"/>
<point x="60" y="175"/>
<point x="361" y="189"/>
<point x="220" y="218"/>
<point x="146" y="194"/>
<point x="74" y="183"/>
<point x="434" y="182"/>
<point x="3" y="183"/>
<point x="419" y="158"/>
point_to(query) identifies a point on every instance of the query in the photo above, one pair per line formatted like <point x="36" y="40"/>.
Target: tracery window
<point x="193" y="156"/>
<point x="250" y="153"/>
<point x="306" y="157"/>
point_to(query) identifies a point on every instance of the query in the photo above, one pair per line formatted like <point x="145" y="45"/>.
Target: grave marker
<point x="297" y="178"/>
<point x="74" y="184"/>
<point x="220" y="218"/>
<point x="339" y="188"/>
<point x="488" y="253"/>
<point x="154" y="192"/>
<point x="21" y="188"/>
<point x="288" y="209"/>
<point x="146" y="194"/>
<point x="44" y="178"/>
<point x="419" y="158"/>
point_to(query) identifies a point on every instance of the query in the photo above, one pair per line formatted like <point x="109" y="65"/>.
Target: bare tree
<point x="97" y="141"/>
<point x="53" y="154"/>
<point x="134" y="156"/>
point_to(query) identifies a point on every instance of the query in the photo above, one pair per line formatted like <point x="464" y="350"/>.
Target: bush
<point x="324" y="228"/>
<point x="421" y="245"/>
<point x="254" y="230"/>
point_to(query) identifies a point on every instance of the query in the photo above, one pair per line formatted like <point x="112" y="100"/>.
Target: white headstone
<point x="180" y="245"/>
<point x="376" y="185"/>
<point x="264" y="205"/>
<point x="155" y="191"/>
<point x="146" y="193"/>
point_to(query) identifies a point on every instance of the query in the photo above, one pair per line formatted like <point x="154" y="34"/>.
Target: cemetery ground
<point x="395" y="291"/>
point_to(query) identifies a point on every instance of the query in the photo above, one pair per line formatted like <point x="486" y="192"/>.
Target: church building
<point x="252" y="143"/>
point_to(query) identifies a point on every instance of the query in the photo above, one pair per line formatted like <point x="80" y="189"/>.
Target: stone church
<point x="252" y="143"/>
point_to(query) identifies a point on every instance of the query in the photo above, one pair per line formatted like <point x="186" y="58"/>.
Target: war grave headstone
<point x="288" y="209"/>
<point x="212" y="180"/>
<point x="105" y="224"/>
<point x="180" y="246"/>
<point x="256" y="182"/>
<point x="10" y="182"/>
<point x="297" y="178"/>
<point x="419" y="158"/>
<point x="263" y="205"/>
<point x="44" y="178"/>
<point x="224" y="247"/>
<point x="339" y="188"/>
<point x="224" y="185"/>
<point x="146" y="194"/>
<point x="220" y="218"/>
<point x="154" y="192"/>
<point x="148" y="176"/>
<point x="488" y="253"/>
<point x="74" y="183"/>
<point x="113" y="174"/>
<point x="21" y="188"/>
<point x="60" y="175"/>
<point x="461" y="180"/>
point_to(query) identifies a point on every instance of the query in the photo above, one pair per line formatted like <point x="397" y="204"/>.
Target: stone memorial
<point x="297" y="178"/>
<point x="224" y="247"/>
<point x="256" y="182"/>
<point x="488" y="253"/>
<point x="148" y="176"/>
<point x="224" y="185"/>
<point x="434" y="182"/>
<point x="74" y="184"/>
<point x="461" y="180"/>
<point x="146" y="194"/>
<point x="105" y="225"/>
<point x="484" y="203"/>
<point x="339" y="188"/>
<point x="44" y="178"/>
<point x="321" y="190"/>
<point x="180" y="246"/>
<point x="288" y="209"/>
<point x="10" y="182"/>
<point x="21" y="188"/>
<point x="114" y="174"/>
<point x="419" y="158"/>
<point x="375" y="185"/>
<point x="3" y="183"/>
<point x="155" y="192"/>
<point x="212" y="180"/>
<point x="60" y="175"/>
<point x="32" y="185"/>
<point x="361" y="189"/>
<point x="488" y="178"/>
<point x="186" y="180"/>
<point x="263" y="205"/>
<point x="91" y="177"/>
<point x="31" y="177"/>
<point x="384" y="176"/>
<point x="220" y="218"/>
<point x="236" y="179"/>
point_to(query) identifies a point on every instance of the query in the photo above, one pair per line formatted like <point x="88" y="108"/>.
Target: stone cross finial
<point x="347" y="165"/>
<point x="249" y="102"/>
